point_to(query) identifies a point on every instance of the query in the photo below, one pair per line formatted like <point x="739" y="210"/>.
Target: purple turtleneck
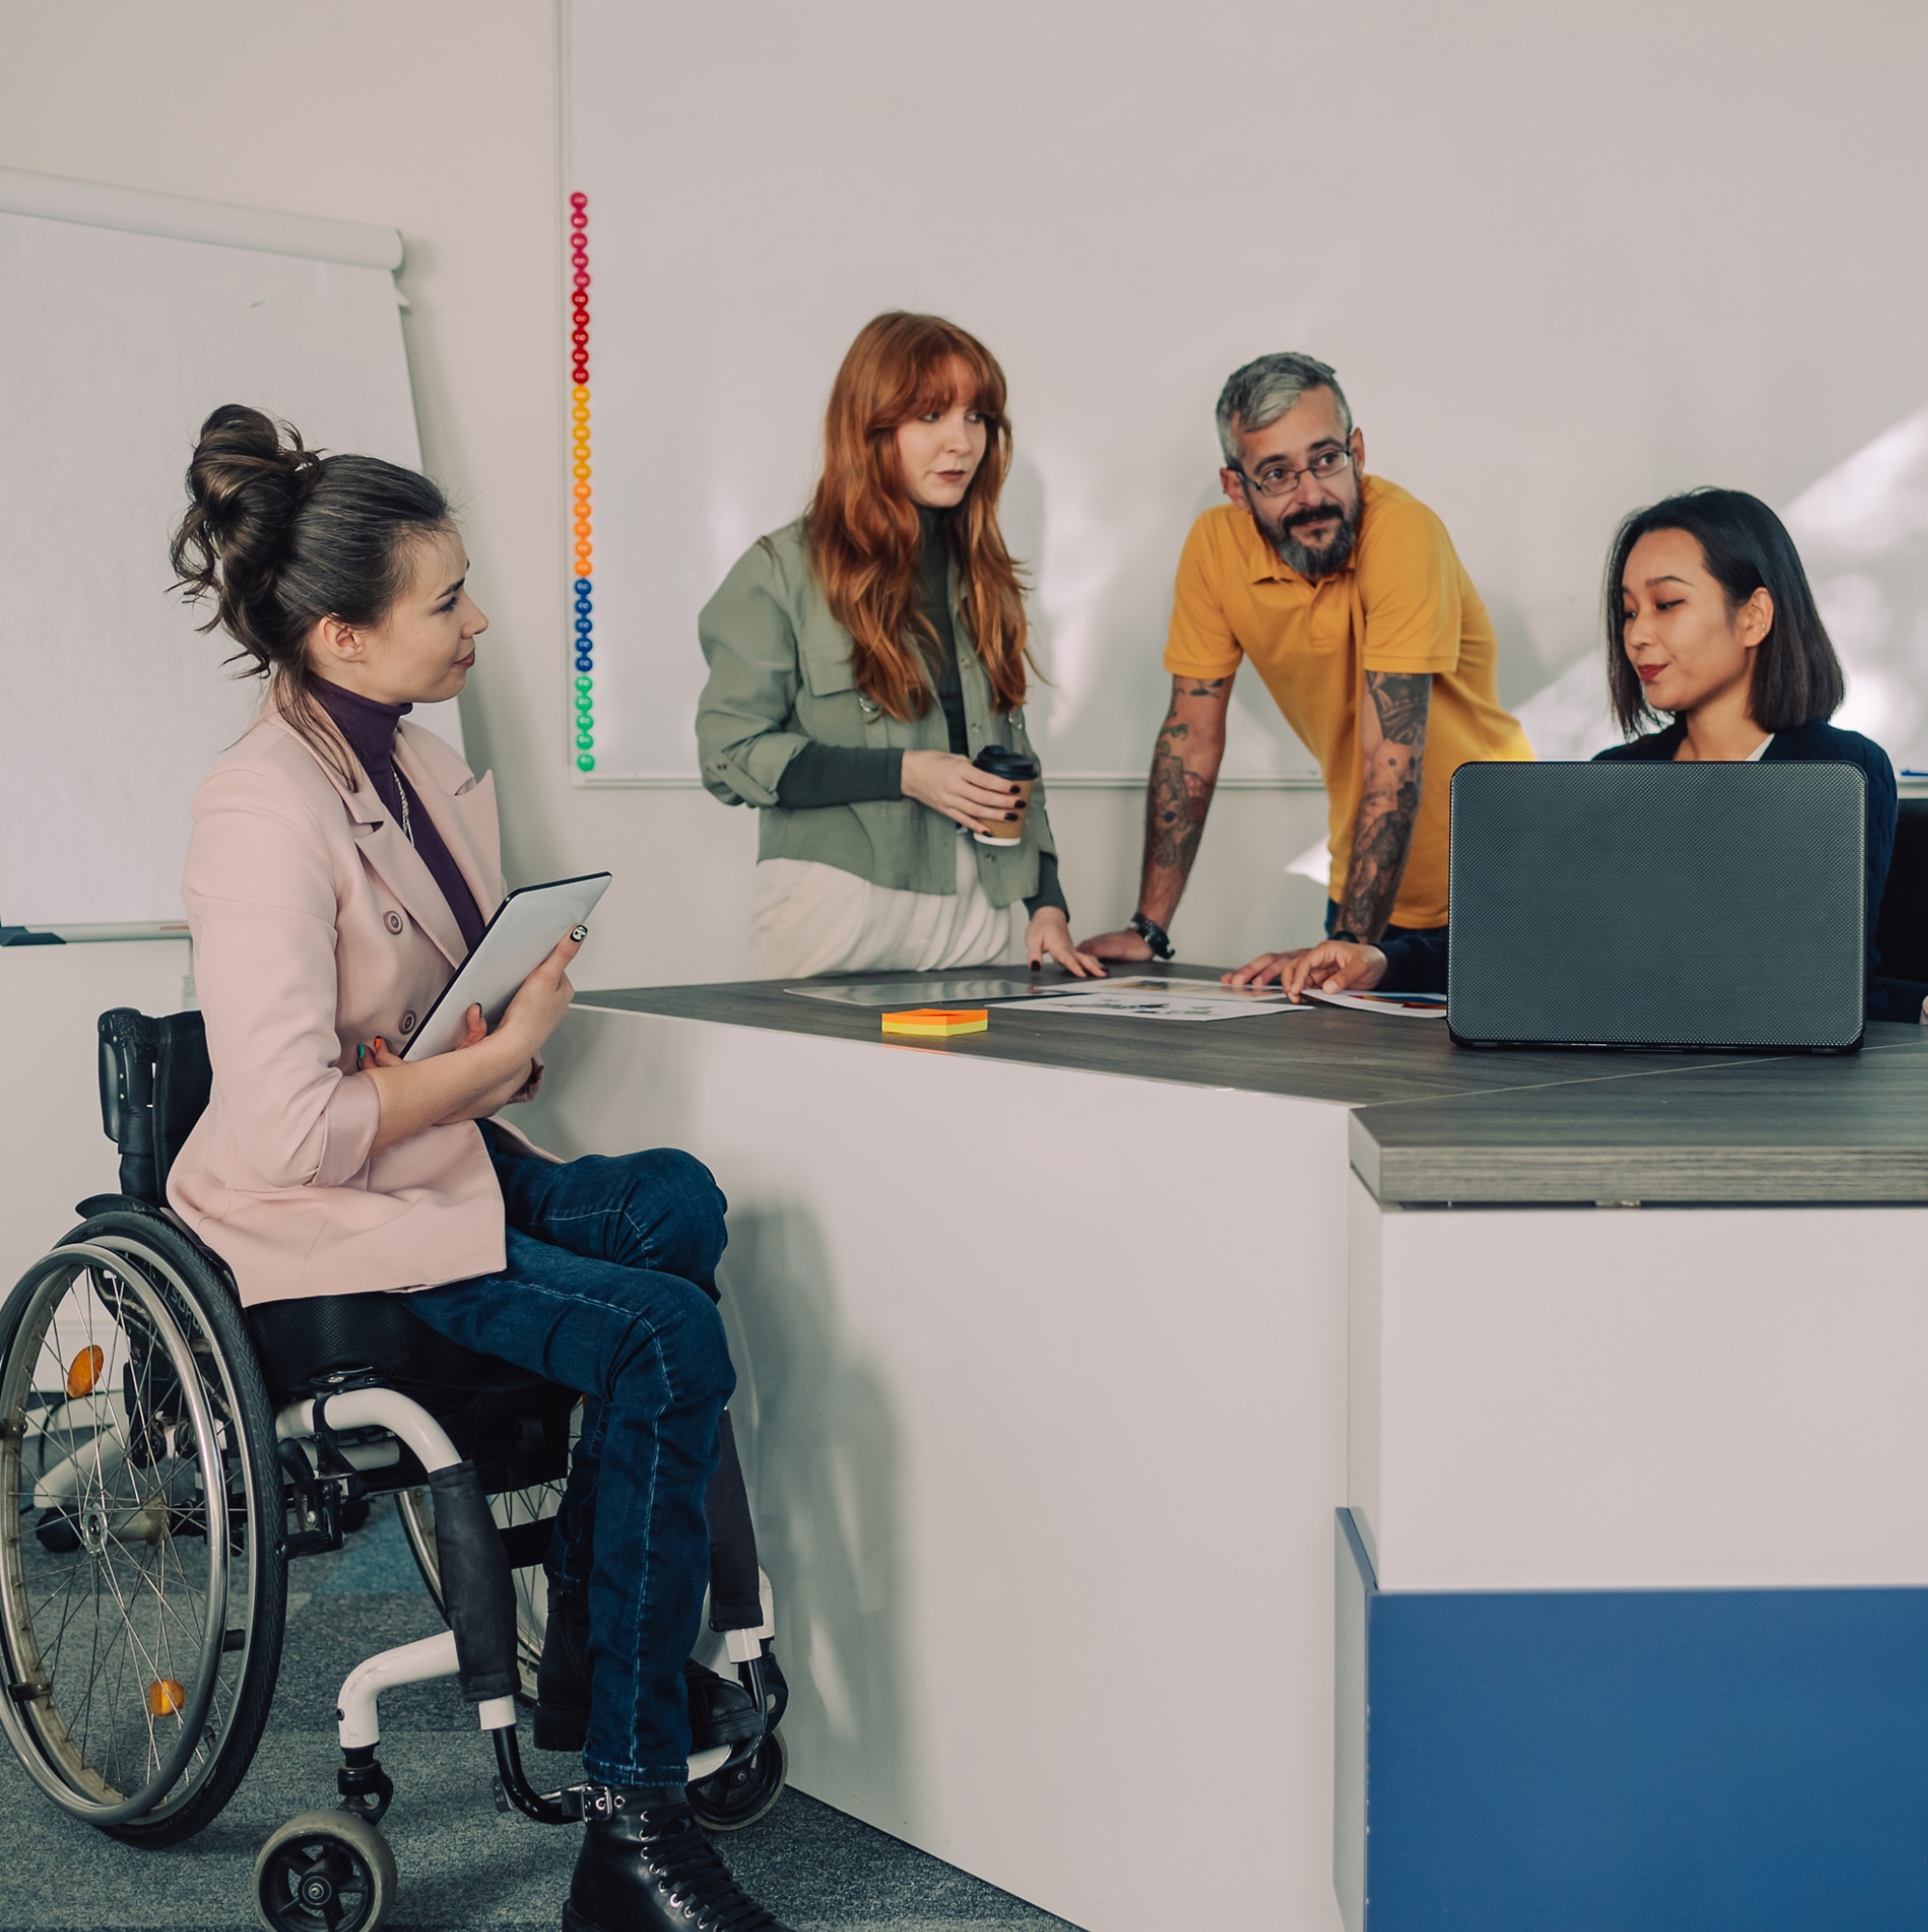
<point x="370" y="730"/>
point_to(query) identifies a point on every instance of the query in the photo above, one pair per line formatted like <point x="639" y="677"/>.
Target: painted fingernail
<point x="579" y="933"/>
<point x="358" y="1052"/>
<point x="1011" y="815"/>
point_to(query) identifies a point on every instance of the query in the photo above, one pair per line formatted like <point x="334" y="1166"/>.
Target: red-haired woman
<point x="865" y="660"/>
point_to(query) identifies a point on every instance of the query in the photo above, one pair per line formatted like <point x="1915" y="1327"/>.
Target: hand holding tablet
<point x="527" y="927"/>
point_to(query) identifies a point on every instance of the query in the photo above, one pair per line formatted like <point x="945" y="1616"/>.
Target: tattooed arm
<point x="1184" y="769"/>
<point x="1392" y="743"/>
<point x="1391" y="748"/>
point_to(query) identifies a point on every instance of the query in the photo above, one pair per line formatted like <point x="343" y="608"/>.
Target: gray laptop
<point x="1692" y="908"/>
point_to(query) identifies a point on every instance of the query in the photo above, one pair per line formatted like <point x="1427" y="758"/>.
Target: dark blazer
<point x="1418" y="963"/>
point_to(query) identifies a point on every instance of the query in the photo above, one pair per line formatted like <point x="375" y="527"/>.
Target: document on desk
<point x="1407" y="1006"/>
<point x="979" y="991"/>
<point x="1142" y="997"/>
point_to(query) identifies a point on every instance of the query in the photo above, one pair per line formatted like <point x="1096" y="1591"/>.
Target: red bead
<point x="578" y="222"/>
<point x="581" y="278"/>
<point x="579" y="200"/>
<point x="581" y="298"/>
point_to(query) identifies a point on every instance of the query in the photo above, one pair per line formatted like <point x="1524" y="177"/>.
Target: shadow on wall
<point x="820" y="1454"/>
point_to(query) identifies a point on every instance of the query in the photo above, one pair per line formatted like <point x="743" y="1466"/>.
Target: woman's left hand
<point x="1048" y="936"/>
<point x="519" y="1087"/>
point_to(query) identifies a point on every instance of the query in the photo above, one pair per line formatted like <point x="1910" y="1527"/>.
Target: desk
<point x="1065" y="1341"/>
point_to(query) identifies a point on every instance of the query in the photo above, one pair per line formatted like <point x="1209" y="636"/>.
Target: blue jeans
<point x="610" y="1289"/>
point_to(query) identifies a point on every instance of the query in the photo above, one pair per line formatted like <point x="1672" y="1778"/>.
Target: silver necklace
<point x="402" y="792"/>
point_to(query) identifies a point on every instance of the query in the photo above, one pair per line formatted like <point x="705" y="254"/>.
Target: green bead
<point x="585" y="683"/>
<point x="585" y="705"/>
<point x="584" y="742"/>
<point x="585" y="763"/>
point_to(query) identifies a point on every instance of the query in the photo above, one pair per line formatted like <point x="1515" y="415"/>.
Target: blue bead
<point x="581" y="587"/>
<point x="584" y="626"/>
<point x="585" y="662"/>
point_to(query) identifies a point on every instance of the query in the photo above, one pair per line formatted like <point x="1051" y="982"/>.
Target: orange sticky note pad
<point x="937" y="1022"/>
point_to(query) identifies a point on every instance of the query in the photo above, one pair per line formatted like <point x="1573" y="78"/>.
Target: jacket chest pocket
<point x="837" y="712"/>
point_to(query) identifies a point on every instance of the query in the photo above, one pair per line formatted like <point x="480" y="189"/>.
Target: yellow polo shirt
<point x="1404" y="603"/>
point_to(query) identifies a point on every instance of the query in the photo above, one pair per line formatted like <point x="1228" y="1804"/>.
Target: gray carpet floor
<point x="461" y="1864"/>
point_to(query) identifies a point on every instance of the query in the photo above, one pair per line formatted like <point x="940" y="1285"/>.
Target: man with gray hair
<point x="1348" y="598"/>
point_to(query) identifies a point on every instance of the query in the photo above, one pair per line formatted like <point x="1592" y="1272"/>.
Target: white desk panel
<point x="1640" y="1399"/>
<point x="1043" y="1413"/>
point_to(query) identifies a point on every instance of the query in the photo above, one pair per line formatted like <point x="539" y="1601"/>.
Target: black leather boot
<point x="646" y="1867"/>
<point x="722" y="1712"/>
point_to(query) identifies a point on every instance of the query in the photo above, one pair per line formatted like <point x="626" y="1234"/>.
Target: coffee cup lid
<point x="1004" y="764"/>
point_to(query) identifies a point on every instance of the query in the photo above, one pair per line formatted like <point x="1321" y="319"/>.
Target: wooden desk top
<point x="1434" y="1123"/>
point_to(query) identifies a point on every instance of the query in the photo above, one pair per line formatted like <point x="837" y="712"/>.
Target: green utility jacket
<point x="781" y="675"/>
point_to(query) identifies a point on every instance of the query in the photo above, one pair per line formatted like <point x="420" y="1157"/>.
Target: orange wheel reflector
<point x="164" y="1698"/>
<point x="85" y="1371"/>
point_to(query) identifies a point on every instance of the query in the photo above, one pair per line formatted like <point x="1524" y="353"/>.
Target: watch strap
<point x="1152" y="933"/>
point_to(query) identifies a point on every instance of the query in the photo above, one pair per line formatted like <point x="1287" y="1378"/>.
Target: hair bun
<point x="243" y="473"/>
<point x="246" y="482"/>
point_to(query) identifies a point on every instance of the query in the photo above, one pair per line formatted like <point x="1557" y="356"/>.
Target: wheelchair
<point x="170" y="1452"/>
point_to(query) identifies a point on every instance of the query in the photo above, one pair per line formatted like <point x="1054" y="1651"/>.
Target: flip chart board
<point x="124" y="319"/>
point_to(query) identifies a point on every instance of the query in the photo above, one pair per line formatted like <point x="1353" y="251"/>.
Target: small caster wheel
<point x="744" y="1793"/>
<point x="324" y="1872"/>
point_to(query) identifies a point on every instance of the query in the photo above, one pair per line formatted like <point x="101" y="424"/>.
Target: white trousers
<point x="809" y="919"/>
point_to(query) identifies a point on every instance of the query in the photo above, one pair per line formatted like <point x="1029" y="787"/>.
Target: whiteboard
<point x="114" y="346"/>
<point x="1565" y="260"/>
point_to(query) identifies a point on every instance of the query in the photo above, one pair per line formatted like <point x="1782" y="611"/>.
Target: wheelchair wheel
<point x="324" y="1872"/>
<point x="744" y="1793"/>
<point x="512" y="1510"/>
<point x="143" y="1584"/>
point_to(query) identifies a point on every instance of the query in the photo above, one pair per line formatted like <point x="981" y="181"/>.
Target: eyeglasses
<point x="1277" y="479"/>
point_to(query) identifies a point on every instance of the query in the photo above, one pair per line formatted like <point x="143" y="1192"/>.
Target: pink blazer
<point x="316" y="928"/>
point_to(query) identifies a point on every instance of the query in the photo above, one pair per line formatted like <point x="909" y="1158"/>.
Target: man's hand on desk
<point x="1264" y="970"/>
<point x="1115" y="945"/>
<point x="1335" y="966"/>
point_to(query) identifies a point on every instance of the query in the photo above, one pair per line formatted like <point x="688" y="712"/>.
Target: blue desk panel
<point x="1632" y="1761"/>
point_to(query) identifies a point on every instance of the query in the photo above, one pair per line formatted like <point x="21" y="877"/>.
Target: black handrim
<point x="198" y="1289"/>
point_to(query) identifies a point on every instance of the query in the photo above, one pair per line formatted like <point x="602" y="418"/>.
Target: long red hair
<point x="864" y="536"/>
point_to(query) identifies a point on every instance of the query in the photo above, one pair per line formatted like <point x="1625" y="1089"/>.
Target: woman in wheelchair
<point x="342" y="863"/>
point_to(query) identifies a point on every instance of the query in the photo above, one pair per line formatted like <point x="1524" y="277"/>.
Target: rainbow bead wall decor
<point x="578" y="421"/>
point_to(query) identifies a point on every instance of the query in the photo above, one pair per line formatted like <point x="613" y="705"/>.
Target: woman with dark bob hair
<point x="1710" y="621"/>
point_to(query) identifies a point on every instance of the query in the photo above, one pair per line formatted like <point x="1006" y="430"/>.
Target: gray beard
<point x="1316" y="563"/>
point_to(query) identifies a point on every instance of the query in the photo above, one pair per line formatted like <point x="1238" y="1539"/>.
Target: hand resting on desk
<point x="1335" y="966"/>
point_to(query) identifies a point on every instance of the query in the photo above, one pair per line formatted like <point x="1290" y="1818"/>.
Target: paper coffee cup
<point x="1022" y="771"/>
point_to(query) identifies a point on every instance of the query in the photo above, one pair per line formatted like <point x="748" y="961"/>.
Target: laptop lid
<point x="1705" y="907"/>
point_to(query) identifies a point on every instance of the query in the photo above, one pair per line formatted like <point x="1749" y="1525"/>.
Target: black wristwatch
<point x="1152" y="933"/>
<point x="1346" y="937"/>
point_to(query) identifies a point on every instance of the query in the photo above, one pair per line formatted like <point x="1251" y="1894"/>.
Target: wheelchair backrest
<point x="155" y="1083"/>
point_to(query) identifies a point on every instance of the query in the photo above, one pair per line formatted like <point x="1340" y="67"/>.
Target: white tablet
<point x="527" y="929"/>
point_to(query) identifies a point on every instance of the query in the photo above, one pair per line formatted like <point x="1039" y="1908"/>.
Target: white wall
<point x="441" y="116"/>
